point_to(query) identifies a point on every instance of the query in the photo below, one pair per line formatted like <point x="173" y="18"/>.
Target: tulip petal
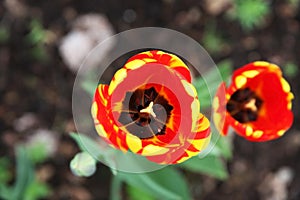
<point x="170" y="60"/>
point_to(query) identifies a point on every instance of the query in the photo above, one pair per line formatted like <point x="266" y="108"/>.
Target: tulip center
<point x="148" y="110"/>
<point x="244" y="105"/>
<point x="145" y="113"/>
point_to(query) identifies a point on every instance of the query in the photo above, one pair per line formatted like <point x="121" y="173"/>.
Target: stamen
<point x="149" y="110"/>
<point x="251" y="105"/>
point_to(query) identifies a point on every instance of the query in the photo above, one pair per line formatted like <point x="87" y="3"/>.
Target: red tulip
<point x="257" y="104"/>
<point x="151" y="108"/>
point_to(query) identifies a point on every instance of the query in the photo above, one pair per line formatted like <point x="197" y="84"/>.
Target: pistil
<point x="149" y="110"/>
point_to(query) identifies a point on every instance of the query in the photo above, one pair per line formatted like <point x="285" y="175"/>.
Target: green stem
<point x="116" y="188"/>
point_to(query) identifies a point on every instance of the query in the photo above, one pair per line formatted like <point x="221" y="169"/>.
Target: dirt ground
<point x="31" y="82"/>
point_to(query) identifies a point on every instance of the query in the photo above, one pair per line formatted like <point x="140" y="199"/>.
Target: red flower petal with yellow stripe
<point x="257" y="103"/>
<point x="151" y="108"/>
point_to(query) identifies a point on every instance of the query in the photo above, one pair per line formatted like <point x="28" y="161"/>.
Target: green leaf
<point x="135" y="193"/>
<point x="25" y="173"/>
<point x="210" y="165"/>
<point x="5" y="192"/>
<point x="90" y="145"/>
<point x="163" y="184"/>
<point x="224" y="146"/>
<point x="86" y="143"/>
<point x="207" y="85"/>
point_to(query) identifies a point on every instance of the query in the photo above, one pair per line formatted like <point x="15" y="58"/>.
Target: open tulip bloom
<point x="151" y="108"/>
<point x="256" y="104"/>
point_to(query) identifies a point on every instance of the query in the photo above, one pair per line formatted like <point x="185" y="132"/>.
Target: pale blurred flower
<point x="216" y="7"/>
<point x="275" y="186"/>
<point x="17" y="8"/>
<point x="87" y="31"/>
<point x="25" y="122"/>
<point x="45" y="138"/>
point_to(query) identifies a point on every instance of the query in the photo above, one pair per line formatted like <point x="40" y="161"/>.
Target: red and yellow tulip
<point x="257" y="104"/>
<point x="151" y="108"/>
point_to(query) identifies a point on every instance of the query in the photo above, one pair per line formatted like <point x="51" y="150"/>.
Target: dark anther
<point x="244" y="105"/>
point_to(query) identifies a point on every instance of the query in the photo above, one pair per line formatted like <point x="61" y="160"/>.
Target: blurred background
<point x="42" y="44"/>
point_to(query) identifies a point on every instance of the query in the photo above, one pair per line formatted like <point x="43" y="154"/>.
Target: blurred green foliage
<point x="212" y="39"/>
<point x="37" y="38"/>
<point x="36" y="153"/>
<point x="294" y="3"/>
<point x="167" y="183"/>
<point x="26" y="186"/>
<point x="37" y="33"/>
<point x="136" y="193"/>
<point x="208" y="83"/>
<point x="290" y="69"/>
<point x="250" y="13"/>
<point x="4" y="34"/>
